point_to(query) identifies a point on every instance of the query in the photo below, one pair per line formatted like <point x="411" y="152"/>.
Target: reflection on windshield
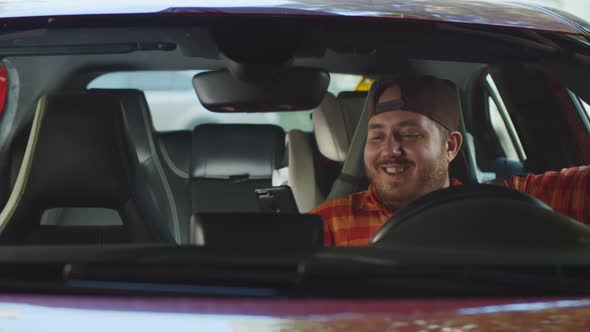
<point x="502" y="14"/>
<point x="525" y="307"/>
<point x="565" y="315"/>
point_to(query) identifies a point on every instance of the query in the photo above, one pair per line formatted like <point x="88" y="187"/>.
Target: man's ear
<point x="454" y="142"/>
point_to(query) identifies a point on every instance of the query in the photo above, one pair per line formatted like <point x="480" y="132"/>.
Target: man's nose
<point x="394" y="146"/>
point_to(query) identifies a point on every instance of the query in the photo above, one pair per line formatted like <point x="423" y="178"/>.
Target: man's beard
<point x="428" y="179"/>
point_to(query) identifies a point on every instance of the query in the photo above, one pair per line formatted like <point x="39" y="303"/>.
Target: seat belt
<point x="475" y="174"/>
<point x="351" y="175"/>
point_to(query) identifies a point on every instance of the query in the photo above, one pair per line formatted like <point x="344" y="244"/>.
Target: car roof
<point x="498" y="13"/>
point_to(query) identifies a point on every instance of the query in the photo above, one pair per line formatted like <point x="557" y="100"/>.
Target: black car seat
<point x="230" y="161"/>
<point x="152" y="184"/>
<point x="77" y="155"/>
<point x="217" y="167"/>
<point x="315" y="160"/>
<point x="174" y="149"/>
<point x="151" y="180"/>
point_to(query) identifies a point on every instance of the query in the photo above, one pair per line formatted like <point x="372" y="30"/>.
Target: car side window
<point x="585" y="110"/>
<point x="502" y="124"/>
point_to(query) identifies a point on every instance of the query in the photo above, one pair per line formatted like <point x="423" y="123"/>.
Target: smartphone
<point x="277" y="200"/>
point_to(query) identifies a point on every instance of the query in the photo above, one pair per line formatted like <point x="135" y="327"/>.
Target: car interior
<point x="83" y="165"/>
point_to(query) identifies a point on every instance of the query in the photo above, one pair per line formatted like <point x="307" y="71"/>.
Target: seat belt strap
<point x="348" y="183"/>
<point x="351" y="179"/>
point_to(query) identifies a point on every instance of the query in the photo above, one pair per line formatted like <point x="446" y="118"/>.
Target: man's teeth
<point x="395" y="170"/>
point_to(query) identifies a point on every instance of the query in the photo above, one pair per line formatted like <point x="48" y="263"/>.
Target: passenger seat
<point x="77" y="156"/>
<point x="150" y="182"/>
<point x="315" y="160"/>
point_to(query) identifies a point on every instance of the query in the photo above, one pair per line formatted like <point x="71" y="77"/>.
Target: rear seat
<point x="315" y="160"/>
<point x="229" y="161"/>
<point x="216" y="167"/>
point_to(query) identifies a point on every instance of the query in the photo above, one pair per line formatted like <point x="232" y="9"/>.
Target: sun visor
<point x="291" y="90"/>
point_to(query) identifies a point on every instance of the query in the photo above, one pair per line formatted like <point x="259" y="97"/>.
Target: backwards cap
<point x="427" y="95"/>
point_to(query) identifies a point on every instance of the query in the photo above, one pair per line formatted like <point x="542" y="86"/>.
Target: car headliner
<point x="504" y="14"/>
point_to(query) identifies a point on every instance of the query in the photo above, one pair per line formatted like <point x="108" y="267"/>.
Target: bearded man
<point x="412" y="138"/>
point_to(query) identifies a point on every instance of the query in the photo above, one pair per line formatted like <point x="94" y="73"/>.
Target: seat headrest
<point x="80" y="158"/>
<point x="334" y="122"/>
<point x="244" y="151"/>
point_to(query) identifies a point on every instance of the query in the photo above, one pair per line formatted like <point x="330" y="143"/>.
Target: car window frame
<point x="583" y="109"/>
<point x="491" y="91"/>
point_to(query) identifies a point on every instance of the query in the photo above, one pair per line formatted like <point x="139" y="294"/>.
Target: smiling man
<point x="412" y="138"/>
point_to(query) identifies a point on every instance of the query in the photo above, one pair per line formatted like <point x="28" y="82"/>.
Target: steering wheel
<point x="480" y="217"/>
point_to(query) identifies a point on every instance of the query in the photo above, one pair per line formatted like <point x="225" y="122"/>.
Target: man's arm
<point x="566" y="191"/>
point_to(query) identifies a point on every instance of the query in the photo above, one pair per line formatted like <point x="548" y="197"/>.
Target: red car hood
<point x="160" y="314"/>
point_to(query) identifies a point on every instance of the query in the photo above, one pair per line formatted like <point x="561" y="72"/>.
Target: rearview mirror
<point x="295" y="89"/>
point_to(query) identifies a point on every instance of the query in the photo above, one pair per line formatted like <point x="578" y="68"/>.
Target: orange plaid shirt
<point x="352" y="220"/>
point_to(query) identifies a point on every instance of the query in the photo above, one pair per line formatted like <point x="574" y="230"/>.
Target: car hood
<point x="23" y="313"/>
<point x="504" y="14"/>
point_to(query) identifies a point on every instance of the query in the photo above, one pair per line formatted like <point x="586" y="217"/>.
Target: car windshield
<point x="291" y="149"/>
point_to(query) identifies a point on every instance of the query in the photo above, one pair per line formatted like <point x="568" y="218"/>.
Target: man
<point x="412" y="138"/>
